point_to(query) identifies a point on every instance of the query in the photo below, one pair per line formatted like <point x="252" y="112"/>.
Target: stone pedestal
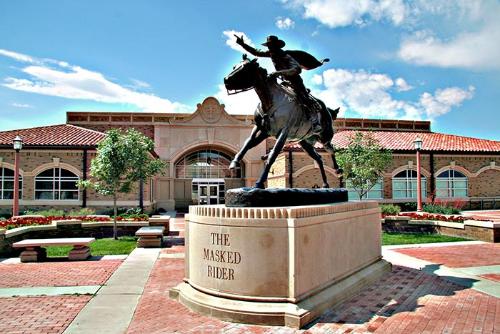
<point x="33" y="254"/>
<point x="79" y="252"/>
<point x="279" y="265"/>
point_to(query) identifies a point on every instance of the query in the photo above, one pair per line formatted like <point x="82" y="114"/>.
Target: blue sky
<point x="421" y="59"/>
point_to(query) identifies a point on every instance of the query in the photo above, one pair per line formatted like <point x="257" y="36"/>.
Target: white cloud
<point x="56" y="78"/>
<point x="139" y="84"/>
<point x="402" y="85"/>
<point x="231" y="39"/>
<point x="341" y="13"/>
<point x="369" y="95"/>
<point x="444" y="99"/>
<point x="475" y="50"/>
<point x="21" y="105"/>
<point x="17" y="56"/>
<point x="317" y="79"/>
<point x="284" y="23"/>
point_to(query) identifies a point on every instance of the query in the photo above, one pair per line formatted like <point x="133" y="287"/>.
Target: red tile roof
<point x="401" y="140"/>
<point x="54" y="135"/>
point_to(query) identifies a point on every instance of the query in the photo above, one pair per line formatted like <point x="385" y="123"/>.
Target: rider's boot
<point x="316" y="126"/>
<point x="309" y="105"/>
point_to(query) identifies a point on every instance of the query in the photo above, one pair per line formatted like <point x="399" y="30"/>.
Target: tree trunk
<point x="115" y="209"/>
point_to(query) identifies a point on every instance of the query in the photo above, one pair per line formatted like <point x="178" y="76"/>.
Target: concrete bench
<point x="34" y="252"/>
<point x="158" y="220"/>
<point x="150" y="236"/>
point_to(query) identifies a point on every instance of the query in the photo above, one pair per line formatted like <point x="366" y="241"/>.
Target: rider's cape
<point x="306" y="60"/>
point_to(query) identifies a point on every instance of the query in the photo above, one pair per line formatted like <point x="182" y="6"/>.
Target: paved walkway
<point x="46" y="297"/>
<point x="111" y="309"/>
<point x="407" y="300"/>
<point x="493" y="215"/>
<point x="433" y="288"/>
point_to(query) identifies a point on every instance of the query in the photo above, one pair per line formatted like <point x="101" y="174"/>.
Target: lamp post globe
<point x="418" y="146"/>
<point x="17" y="144"/>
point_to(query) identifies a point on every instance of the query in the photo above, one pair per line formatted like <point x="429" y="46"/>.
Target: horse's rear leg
<point x="309" y="149"/>
<point x="329" y="148"/>
<point x="273" y="154"/>
<point x="256" y="137"/>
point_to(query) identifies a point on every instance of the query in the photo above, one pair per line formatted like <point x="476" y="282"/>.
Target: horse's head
<point x="243" y="77"/>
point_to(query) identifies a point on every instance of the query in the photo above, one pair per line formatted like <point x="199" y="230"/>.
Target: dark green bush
<point x="409" y="206"/>
<point x="5" y="213"/>
<point x="442" y="209"/>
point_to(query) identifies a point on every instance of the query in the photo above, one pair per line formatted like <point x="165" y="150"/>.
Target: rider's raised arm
<point x="251" y="50"/>
<point x="254" y="51"/>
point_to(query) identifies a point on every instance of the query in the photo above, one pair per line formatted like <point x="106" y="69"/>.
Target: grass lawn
<point x="416" y="238"/>
<point x="107" y="246"/>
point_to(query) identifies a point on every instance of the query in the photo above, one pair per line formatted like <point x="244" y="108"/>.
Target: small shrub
<point x="81" y="212"/>
<point x="442" y="209"/>
<point x="409" y="206"/>
<point x="5" y="213"/>
<point x="390" y="209"/>
<point x="45" y="213"/>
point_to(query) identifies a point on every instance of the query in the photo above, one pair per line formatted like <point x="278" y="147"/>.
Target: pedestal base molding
<point x="279" y="313"/>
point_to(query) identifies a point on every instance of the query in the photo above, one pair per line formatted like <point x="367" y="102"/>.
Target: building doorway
<point x="208" y="191"/>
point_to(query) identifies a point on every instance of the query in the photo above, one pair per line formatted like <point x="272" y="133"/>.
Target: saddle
<point x="308" y="102"/>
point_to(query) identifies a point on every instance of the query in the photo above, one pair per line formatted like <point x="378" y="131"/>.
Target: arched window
<point x="7" y="184"/>
<point x="56" y="184"/>
<point x="404" y="184"/>
<point x="206" y="164"/>
<point x="451" y="183"/>
<point x="376" y="192"/>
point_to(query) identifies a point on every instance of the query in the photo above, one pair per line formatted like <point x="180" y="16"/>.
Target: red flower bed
<point x="432" y="216"/>
<point x="31" y="221"/>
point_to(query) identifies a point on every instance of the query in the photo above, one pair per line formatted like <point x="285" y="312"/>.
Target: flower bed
<point x="32" y="221"/>
<point x="438" y="217"/>
<point x="432" y="216"/>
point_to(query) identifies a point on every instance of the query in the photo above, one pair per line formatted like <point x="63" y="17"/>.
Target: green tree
<point x="123" y="158"/>
<point x="363" y="162"/>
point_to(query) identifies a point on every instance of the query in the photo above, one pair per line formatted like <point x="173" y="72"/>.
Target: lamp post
<point x="418" y="146"/>
<point x="18" y="145"/>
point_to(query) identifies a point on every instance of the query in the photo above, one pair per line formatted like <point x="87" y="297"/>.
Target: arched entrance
<point x="209" y="170"/>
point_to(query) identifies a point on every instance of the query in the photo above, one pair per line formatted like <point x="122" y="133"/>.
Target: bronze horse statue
<point x="280" y="115"/>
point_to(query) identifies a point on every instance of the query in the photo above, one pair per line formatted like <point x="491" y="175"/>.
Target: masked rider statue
<point x="288" y="65"/>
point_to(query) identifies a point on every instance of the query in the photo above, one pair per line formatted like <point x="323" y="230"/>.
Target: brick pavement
<point x="457" y="256"/>
<point x="39" y="314"/>
<point x="493" y="215"/>
<point x="57" y="273"/>
<point x="403" y="301"/>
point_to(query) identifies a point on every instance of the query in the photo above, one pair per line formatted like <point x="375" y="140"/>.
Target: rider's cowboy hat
<point x="273" y="40"/>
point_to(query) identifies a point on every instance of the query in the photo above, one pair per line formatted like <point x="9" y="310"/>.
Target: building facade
<point x="199" y="146"/>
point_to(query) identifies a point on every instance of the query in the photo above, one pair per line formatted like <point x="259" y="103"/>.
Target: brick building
<point x="199" y="146"/>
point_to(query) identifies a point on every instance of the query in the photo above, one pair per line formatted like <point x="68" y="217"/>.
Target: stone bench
<point x="158" y="220"/>
<point x="34" y="252"/>
<point x="150" y="236"/>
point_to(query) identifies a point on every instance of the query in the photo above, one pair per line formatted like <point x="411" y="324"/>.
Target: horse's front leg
<point x="309" y="149"/>
<point x="256" y="137"/>
<point x="273" y="154"/>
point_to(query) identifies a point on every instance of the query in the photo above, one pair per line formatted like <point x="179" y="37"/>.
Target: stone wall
<point x="475" y="230"/>
<point x="94" y="230"/>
